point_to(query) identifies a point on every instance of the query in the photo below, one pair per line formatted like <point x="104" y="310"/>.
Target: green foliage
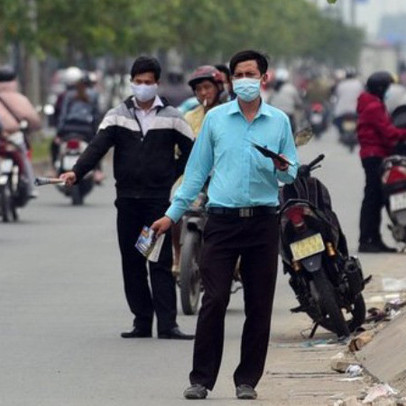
<point x="198" y="29"/>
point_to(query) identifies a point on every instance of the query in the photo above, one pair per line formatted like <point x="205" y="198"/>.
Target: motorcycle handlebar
<point x="316" y="161"/>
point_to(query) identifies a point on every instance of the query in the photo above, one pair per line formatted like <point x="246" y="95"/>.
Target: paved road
<point x="62" y="306"/>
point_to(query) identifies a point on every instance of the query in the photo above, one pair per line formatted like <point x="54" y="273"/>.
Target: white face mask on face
<point x="247" y="89"/>
<point x="143" y="92"/>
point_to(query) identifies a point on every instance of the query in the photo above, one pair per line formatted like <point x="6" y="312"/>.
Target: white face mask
<point x="143" y="92"/>
<point x="247" y="89"/>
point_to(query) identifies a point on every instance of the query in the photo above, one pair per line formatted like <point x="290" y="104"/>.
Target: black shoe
<point x="195" y="391"/>
<point x="245" y="392"/>
<point x="136" y="333"/>
<point x="375" y="247"/>
<point x="176" y="334"/>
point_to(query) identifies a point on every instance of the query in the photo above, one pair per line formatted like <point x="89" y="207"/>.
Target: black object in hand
<point x="270" y="154"/>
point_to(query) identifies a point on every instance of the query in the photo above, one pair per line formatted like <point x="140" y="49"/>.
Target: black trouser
<point x="225" y="239"/>
<point x="132" y="215"/>
<point x="370" y="221"/>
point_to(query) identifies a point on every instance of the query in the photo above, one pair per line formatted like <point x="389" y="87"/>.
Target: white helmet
<point x="72" y="75"/>
<point x="281" y="75"/>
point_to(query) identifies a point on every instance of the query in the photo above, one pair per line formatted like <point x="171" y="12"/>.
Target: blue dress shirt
<point x="240" y="175"/>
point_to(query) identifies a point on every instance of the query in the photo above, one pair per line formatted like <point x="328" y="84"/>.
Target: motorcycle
<point x="314" y="253"/>
<point x="347" y="126"/>
<point x="191" y="241"/>
<point x="317" y="116"/>
<point x="393" y="178"/>
<point x="14" y="186"/>
<point x="69" y="151"/>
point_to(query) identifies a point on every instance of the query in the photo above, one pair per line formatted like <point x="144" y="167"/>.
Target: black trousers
<point x="132" y="215"/>
<point x="225" y="239"/>
<point x="371" y="209"/>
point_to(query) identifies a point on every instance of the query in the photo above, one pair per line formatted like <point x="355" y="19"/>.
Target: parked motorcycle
<point x="314" y="253"/>
<point x="14" y="187"/>
<point x="394" y="181"/>
<point x="347" y="128"/>
<point x="191" y="241"/>
<point x="317" y="116"/>
<point x="70" y="149"/>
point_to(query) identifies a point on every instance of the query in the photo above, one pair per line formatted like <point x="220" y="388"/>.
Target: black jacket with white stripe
<point x="144" y="164"/>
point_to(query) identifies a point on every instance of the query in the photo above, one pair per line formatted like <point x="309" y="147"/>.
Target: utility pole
<point x="32" y="70"/>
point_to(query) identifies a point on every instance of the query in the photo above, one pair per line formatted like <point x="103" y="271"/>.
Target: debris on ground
<point x="379" y="391"/>
<point x="359" y="341"/>
<point x="342" y="360"/>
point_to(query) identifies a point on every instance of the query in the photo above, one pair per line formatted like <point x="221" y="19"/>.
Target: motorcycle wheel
<point x="332" y="316"/>
<point x="189" y="278"/>
<point x="76" y="195"/>
<point x="8" y="211"/>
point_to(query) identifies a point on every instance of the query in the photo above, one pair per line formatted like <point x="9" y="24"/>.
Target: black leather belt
<point x="243" y="211"/>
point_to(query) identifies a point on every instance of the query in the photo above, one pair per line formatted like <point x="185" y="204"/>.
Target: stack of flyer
<point x="149" y="244"/>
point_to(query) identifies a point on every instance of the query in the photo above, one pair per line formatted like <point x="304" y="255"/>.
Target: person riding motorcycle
<point x="346" y="95"/>
<point x="18" y="116"/>
<point x="207" y="85"/>
<point x="285" y="96"/>
<point x="377" y="138"/>
<point x="79" y="112"/>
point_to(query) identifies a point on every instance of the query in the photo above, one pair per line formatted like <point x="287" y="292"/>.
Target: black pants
<point x="225" y="239"/>
<point x="370" y="221"/>
<point x="132" y="215"/>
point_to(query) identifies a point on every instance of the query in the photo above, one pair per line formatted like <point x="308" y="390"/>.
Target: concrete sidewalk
<point x="299" y="372"/>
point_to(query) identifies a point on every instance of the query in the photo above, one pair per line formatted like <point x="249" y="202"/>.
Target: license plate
<point x="398" y="201"/>
<point x="307" y="247"/>
<point x="69" y="162"/>
<point x="349" y="126"/>
<point x="316" y="118"/>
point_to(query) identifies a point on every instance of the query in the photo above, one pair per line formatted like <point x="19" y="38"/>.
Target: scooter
<point x="317" y="118"/>
<point x="70" y="149"/>
<point x="191" y="241"/>
<point x="14" y="186"/>
<point x="314" y="252"/>
<point x="347" y="128"/>
<point x="393" y="179"/>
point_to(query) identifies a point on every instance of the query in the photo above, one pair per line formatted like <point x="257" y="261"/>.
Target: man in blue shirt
<point x="242" y="206"/>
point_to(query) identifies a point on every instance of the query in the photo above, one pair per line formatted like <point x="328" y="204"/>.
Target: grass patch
<point x="40" y="148"/>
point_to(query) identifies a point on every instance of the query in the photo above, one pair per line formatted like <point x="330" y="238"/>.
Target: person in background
<point x="395" y="97"/>
<point x="227" y="82"/>
<point x="18" y="115"/>
<point x="285" y="96"/>
<point x="346" y="94"/>
<point x="144" y="131"/>
<point x="377" y="138"/>
<point x="243" y="221"/>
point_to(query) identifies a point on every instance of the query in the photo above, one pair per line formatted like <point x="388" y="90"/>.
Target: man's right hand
<point x="162" y="225"/>
<point x="68" y="177"/>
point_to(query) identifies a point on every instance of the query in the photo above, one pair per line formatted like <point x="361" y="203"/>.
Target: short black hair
<point x="249" y="55"/>
<point x="223" y="68"/>
<point x="146" y="64"/>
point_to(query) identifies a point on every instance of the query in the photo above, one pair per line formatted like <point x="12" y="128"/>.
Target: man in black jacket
<point x="144" y="130"/>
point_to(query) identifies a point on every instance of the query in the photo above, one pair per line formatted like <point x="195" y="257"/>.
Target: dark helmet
<point x="7" y="74"/>
<point x="379" y="82"/>
<point x="205" y="72"/>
